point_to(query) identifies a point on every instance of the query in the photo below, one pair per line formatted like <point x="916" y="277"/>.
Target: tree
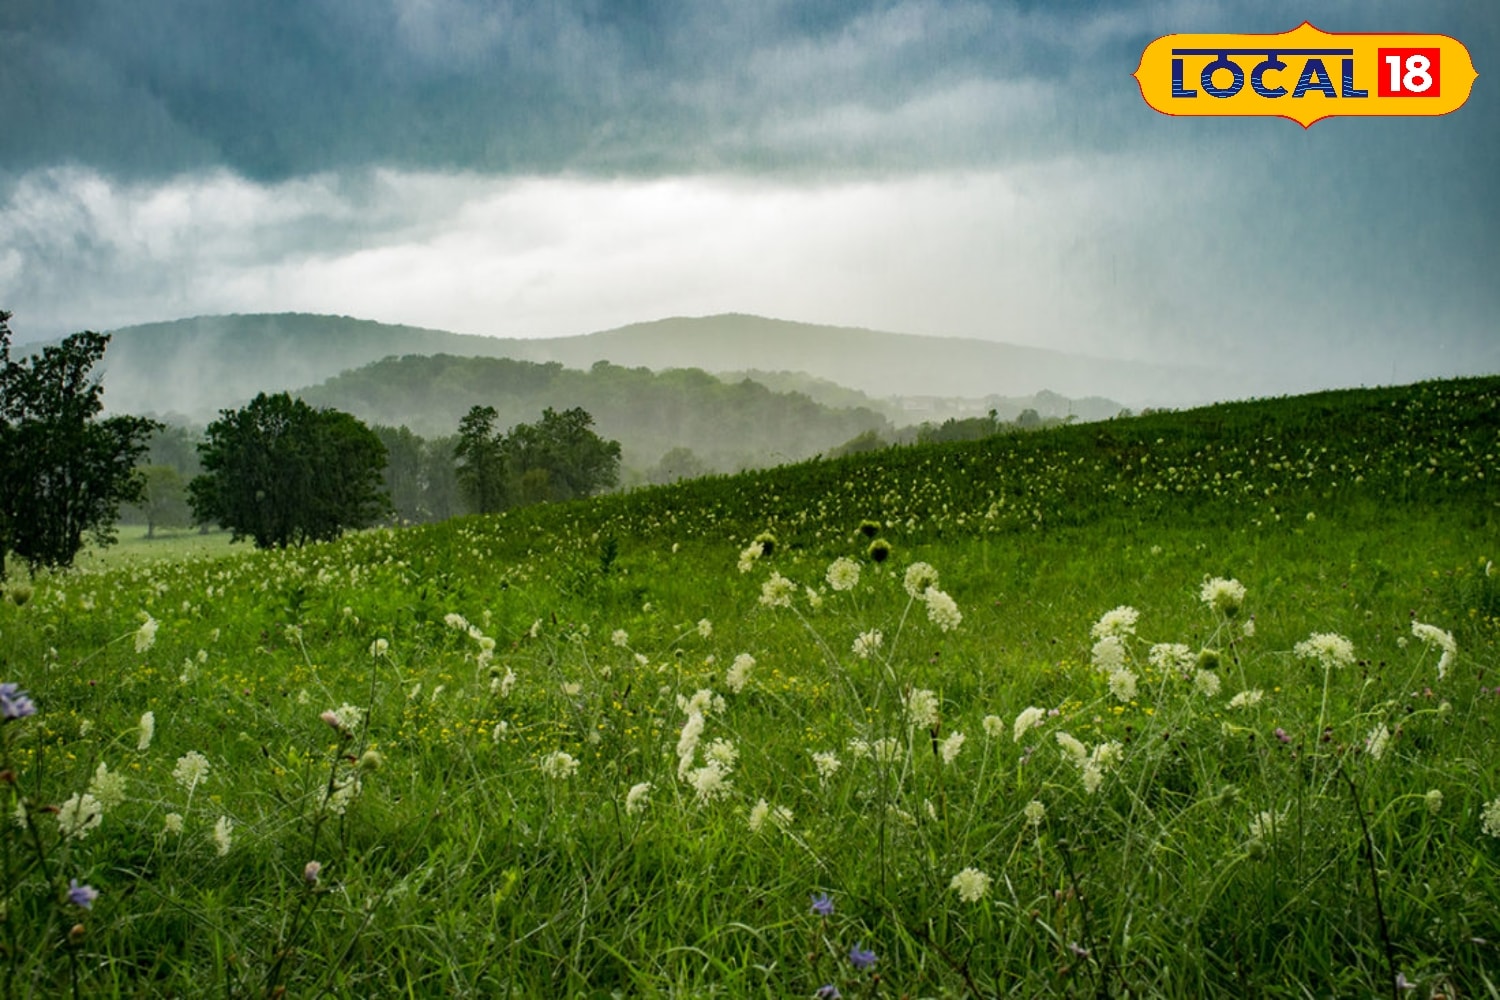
<point x="63" y="471"/>
<point x="163" y="502"/>
<point x="558" y="458"/>
<point x="677" y="463"/>
<point x="480" y="453"/>
<point x="283" y="473"/>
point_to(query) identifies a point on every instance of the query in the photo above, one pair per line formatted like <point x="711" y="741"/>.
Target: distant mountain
<point x="194" y="367"/>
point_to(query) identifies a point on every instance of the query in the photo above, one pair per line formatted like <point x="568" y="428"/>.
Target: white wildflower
<point x="922" y="708"/>
<point x="950" y="747"/>
<point x="1172" y="657"/>
<point x="866" y="643"/>
<point x="1263" y="825"/>
<point x="223" y="835"/>
<point x="145" y="636"/>
<point x="705" y="628"/>
<point x="1207" y="683"/>
<point x="1119" y="623"/>
<point x="971" y="884"/>
<point x="620" y="637"/>
<point x="758" y="814"/>
<point x="190" y="770"/>
<point x="638" y="798"/>
<point x="1109" y="654"/>
<point x="456" y="621"/>
<point x="1247" y="699"/>
<point x="827" y="762"/>
<point x="1122" y="685"/>
<point x="1028" y="720"/>
<point x="147" y="730"/>
<point x="1434" y="636"/>
<point x="1376" y="741"/>
<point x="738" y="674"/>
<point x="171" y="823"/>
<point x="1034" y="812"/>
<point x="919" y="576"/>
<point x="108" y="788"/>
<point x="1328" y="648"/>
<point x="777" y="591"/>
<point x="1073" y="748"/>
<point x="79" y="816"/>
<point x="1434" y="800"/>
<point x="941" y="610"/>
<point x="723" y="753"/>
<point x="994" y="726"/>
<point x="843" y="574"/>
<point x="1224" y="596"/>
<point x="559" y="766"/>
<point x="709" y="783"/>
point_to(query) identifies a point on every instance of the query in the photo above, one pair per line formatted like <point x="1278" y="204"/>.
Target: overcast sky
<point x="982" y="169"/>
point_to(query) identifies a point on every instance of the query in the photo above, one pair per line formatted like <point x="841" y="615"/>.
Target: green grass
<point x="460" y="866"/>
<point x="168" y="545"/>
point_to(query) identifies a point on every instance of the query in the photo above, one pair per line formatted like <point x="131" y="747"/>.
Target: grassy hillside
<point x="700" y="740"/>
<point x="195" y="367"/>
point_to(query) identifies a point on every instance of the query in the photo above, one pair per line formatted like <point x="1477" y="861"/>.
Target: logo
<point x="1306" y="74"/>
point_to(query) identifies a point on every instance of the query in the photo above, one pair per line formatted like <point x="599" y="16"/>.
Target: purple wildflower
<point x="1281" y="734"/>
<point x="82" y="895"/>
<point x="829" y="992"/>
<point x="860" y="958"/>
<point x="14" y="703"/>
<point x="822" y="904"/>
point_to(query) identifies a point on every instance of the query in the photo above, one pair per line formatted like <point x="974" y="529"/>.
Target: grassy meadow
<point x="1184" y="705"/>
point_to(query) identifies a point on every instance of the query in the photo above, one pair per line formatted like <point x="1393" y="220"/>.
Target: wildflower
<point x="827" y="762"/>
<point x="638" y="798"/>
<point x="559" y="766"/>
<point x="867" y="643"/>
<point x="1171" y="657"/>
<point x="1376" y="741"/>
<point x="1207" y="683"/>
<point x="951" y="746"/>
<point x="1029" y="719"/>
<point x="1264" y="824"/>
<point x="1282" y="736"/>
<point x="705" y="628"/>
<point x="860" y="958"/>
<point x="380" y="647"/>
<point x="1223" y="596"/>
<point x="1248" y="628"/>
<point x="723" y="753"/>
<point x="171" y="823"/>
<point x="1108" y="754"/>
<point x="827" y="991"/>
<point x="687" y="742"/>
<point x="758" y="814"/>
<point x="14" y="703"/>
<point x="1073" y="748"/>
<point x="777" y="591"/>
<point x="311" y="871"/>
<point x="971" y="884"/>
<point x="1434" y="800"/>
<point x="145" y="636"/>
<point x="1328" y="648"/>
<point x="338" y="796"/>
<point x="994" y="726"/>
<point x="191" y="769"/>
<point x="20" y="816"/>
<point x="1117" y="623"/>
<point x="346" y="718"/>
<point x="709" y="783"/>
<point x="1434" y="636"/>
<point x="620" y="637"/>
<point x="941" y="610"/>
<point x="107" y="788"/>
<point x="1246" y="699"/>
<point x="1122" y="685"/>
<point x="919" y="576"/>
<point x="748" y="556"/>
<point x="81" y="895"/>
<point x="843" y="574"/>
<point x="738" y="674"/>
<point x="1492" y="818"/>
<point x="456" y="621"/>
<point x="503" y="685"/>
<point x="79" y="816"/>
<point x="1034" y="812"/>
<point x="1109" y="654"/>
<point x="223" y="835"/>
<point x="922" y="708"/>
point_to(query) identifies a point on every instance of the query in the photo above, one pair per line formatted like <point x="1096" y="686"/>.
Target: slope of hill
<point x="728" y="426"/>
<point x="194" y="367"/>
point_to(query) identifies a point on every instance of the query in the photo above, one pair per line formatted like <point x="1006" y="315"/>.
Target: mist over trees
<point x="63" y="471"/>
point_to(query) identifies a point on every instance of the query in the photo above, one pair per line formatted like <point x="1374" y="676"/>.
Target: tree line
<point x="277" y="471"/>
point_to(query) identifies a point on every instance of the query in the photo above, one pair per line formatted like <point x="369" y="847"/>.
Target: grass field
<point x="132" y="546"/>
<point x="1186" y="705"/>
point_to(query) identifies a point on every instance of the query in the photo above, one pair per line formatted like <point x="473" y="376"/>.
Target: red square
<point x="1409" y="72"/>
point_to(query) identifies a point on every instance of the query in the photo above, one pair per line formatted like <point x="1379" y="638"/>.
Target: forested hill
<point x="195" y="367"/>
<point x="727" y="426"/>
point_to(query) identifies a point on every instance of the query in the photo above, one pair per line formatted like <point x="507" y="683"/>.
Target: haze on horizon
<point x="973" y="169"/>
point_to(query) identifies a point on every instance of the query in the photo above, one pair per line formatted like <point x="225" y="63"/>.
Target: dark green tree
<point x="283" y="473"/>
<point x="63" y="472"/>
<point x="577" y="461"/>
<point x="481" y="456"/>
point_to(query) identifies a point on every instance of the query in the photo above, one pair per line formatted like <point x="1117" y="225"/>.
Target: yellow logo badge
<point x="1306" y="74"/>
